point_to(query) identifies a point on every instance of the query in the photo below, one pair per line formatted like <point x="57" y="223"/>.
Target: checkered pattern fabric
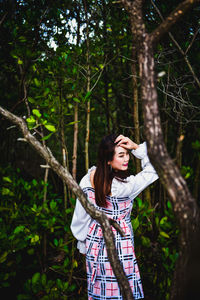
<point x="102" y="283"/>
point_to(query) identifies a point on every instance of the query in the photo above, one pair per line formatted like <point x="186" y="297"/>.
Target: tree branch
<point x="179" y="47"/>
<point x="90" y="209"/>
<point x="3" y="18"/>
<point x="174" y="16"/>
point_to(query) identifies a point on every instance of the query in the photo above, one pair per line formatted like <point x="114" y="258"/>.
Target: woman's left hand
<point x="126" y="143"/>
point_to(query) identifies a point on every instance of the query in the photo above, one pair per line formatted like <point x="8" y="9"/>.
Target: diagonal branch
<point x="179" y="47"/>
<point x="174" y="16"/>
<point x="3" y="18"/>
<point x="90" y="209"/>
<point x="193" y="39"/>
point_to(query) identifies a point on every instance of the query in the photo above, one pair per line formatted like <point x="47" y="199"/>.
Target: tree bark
<point x="136" y="123"/>
<point x="185" y="206"/>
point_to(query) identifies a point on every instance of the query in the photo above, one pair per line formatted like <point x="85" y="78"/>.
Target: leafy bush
<point x="37" y="248"/>
<point x="156" y="247"/>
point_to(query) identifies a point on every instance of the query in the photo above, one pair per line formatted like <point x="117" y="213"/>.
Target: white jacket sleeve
<point x="148" y="174"/>
<point x="80" y="225"/>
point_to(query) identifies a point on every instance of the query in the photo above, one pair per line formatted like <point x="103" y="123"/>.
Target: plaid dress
<point x="102" y="283"/>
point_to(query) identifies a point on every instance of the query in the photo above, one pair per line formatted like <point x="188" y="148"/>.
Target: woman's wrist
<point x="135" y="146"/>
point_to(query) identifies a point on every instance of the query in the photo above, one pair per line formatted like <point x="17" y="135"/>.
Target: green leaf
<point x="34" y="181"/>
<point x="76" y="99"/>
<point x="36" y="81"/>
<point x="66" y="284"/>
<point x="36" y="113"/>
<point x="35" y="239"/>
<point x="164" y="234"/>
<point x="87" y="96"/>
<point x="72" y="123"/>
<point x="19" y="229"/>
<point x="7" y="179"/>
<point x="6" y="191"/>
<point x="43" y="279"/>
<point x="47" y="136"/>
<point x="66" y="262"/>
<point x="19" y="61"/>
<point x="75" y="264"/>
<point x="22" y="39"/>
<point x="31" y="120"/>
<point x="35" y="278"/>
<point x="139" y="201"/>
<point x="146" y="241"/>
<point x="135" y="224"/>
<point x="68" y="210"/>
<point x="55" y="241"/>
<point x="3" y="257"/>
<point x="31" y="100"/>
<point x="169" y="205"/>
<point x="59" y="283"/>
<point x="53" y="204"/>
<point x="50" y="127"/>
<point x="163" y="220"/>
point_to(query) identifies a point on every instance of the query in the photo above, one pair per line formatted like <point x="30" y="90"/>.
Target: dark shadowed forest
<point x="75" y="71"/>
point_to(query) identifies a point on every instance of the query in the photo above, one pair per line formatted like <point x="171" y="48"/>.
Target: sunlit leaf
<point x="164" y="234"/>
<point x="36" y="113"/>
<point x="50" y="127"/>
<point x="7" y="179"/>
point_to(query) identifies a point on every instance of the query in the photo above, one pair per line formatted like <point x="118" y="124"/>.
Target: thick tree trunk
<point x="185" y="207"/>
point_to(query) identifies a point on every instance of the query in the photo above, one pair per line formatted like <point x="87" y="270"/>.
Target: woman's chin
<point x="124" y="168"/>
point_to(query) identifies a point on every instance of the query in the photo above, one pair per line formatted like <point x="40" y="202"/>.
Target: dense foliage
<point x="60" y="55"/>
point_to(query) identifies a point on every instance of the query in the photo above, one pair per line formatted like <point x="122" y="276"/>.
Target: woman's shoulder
<point x="122" y="188"/>
<point x="87" y="180"/>
<point x="92" y="177"/>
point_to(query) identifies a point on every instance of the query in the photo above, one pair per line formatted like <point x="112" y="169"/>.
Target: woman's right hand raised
<point x="126" y="143"/>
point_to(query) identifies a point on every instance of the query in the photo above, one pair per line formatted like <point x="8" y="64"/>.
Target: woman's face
<point x="120" y="159"/>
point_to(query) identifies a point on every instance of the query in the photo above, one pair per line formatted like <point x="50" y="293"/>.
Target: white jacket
<point x="133" y="186"/>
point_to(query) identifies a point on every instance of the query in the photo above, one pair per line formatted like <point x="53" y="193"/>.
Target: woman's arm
<point x="79" y="226"/>
<point x="148" y="174"/>
<point x="80" y="223"/>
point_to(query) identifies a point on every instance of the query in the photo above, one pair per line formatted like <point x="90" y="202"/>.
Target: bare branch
<point x="192" y="41"/>
<point x="175" y="15"/>
<point x="3" y="18"/>
<point x="90" y="209"/>
<point x="179" y="47"/>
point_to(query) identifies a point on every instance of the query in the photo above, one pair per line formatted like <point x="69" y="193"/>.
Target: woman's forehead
<point x="119" y="149"/>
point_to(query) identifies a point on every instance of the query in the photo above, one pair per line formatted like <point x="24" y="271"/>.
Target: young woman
<point x="109" y="187"/>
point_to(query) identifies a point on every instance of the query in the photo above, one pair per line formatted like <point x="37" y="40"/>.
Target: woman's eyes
<point x="123" y="155"/>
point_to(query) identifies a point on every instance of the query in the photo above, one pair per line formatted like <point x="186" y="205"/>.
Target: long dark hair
<point x="104" y="174"/>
